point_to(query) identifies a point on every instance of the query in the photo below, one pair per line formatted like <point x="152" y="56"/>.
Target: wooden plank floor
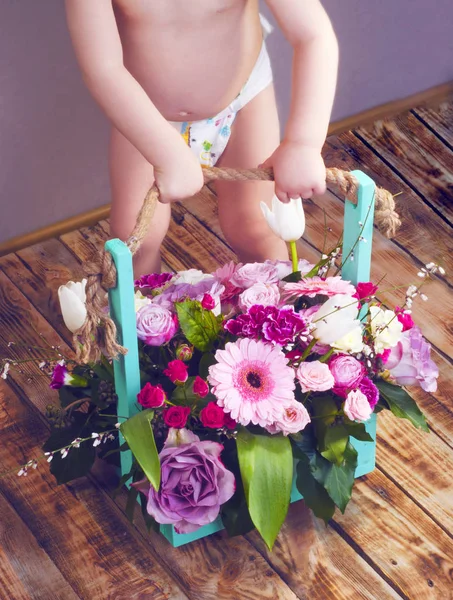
<point x="396" y="538"/>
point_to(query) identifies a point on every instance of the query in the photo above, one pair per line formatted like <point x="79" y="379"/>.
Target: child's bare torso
<point x="191" y="57"/>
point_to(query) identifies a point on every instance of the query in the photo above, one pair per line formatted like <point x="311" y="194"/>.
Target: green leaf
<point x="315" y="496"/>
<point x="68" y="395"/>
<point x="266" y="464"/>
<point x="340" y="479"/>
<point x="206" y="361"/>
<point x="334" y="443"/>
<point x="200" y="326"/>
<point x="357" y="431"/>
<point x="402" y="405"/>
<point x="131" y="503"/>
<point x="138" y="433"/>
<point x="293" y="277"/>
<point x="149" y="521"/>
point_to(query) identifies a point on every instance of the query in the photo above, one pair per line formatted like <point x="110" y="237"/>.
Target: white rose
<point x="192" y="276"/>
<point x="140" y="300"/>
<point x="351" y="342"/>
<point x="260" y="293"/>
<point x="385" y="327"/>
<point x="72" y="299"/>
<point x="336" y="318"/>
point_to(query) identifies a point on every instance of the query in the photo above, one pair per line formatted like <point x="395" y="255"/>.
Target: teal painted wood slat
<point x="122" y="309"/>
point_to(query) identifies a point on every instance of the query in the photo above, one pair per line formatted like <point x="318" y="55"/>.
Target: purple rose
<point x="409" y="361"/>
<point x="347" y="371"/>
<point x="371" y="392"/>
<point x="194" y="484"/>
<point x="156" y="325"/>
<point x="153" y="281"/>
<point x="195" y="291"/>
<point x="252" y="273"/>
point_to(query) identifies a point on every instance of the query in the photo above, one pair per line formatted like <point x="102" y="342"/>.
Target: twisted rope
<point x="98" y="334"/>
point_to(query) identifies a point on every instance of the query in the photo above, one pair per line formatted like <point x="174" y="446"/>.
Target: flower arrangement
<point x="253" y="377"/>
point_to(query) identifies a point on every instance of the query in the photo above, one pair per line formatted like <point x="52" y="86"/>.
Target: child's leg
<point x="254" y="137"/>
<point x="131" y="176"/>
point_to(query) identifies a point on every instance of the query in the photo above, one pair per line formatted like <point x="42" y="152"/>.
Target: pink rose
<point x="315" y="376"/>
<point x="252" y="273"/>
<point x="200" y="387"/>
<point x="156" y="325"/>
<point x="212" y="416"/>
<point x="365" y="290"/>
<point x="177" y="371"/>
<point x="260" y="293"/>
<point x="176" y="416"/>
<point x="294" y="418"/>
<point x="357" y="407"/>
<point x="347" y="371"/>
<point x="151" y="396"/>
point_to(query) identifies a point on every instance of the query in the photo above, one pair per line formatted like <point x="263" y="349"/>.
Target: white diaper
<point x="208" y="138"/>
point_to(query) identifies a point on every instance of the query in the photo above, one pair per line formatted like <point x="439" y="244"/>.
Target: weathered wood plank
<point x="425" y="235"/>
<point x="418" y="156"/>
<point x="26" y="571"/>
<point x="440" y="119"/>
<point x="407" y="546"/>
<point x="81" y="531"/>
<point x="318" y="564"/>
<point x="421" y="464"/>
<point x="393" y="263"/>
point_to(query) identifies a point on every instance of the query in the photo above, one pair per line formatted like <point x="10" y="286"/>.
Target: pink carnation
<point x="293" y="418"/>
<point x="404" y="318"/>
<point x="357" y="407"/>
<point x="315" y="376"/>
<point x="331" y="286"/>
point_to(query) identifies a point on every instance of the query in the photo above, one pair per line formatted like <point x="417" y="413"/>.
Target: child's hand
<point x="299" y="171"/>
<point x="179" y="178"/>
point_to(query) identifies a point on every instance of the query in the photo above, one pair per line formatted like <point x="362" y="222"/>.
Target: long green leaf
<point x="315" y="496"/>
<point x="199" y="326"/>
<point x="266" y="464"/>
<point x="340" y="479"/>
<point x="334" y="443"/>
<point x="138" y="433"/>
<point x="402" y="405"/>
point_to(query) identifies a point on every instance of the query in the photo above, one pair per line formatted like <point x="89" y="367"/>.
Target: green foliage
<point x="79" y="461"/>
<point x="138" y="433"/>
<point x="334" y="443"/>
<point x="266" y="464"/>
<point x="315" y="495"/>
<point x="201" y="327"/>
<point x="206" y="361"/>
<point x="401" y="404"/>
<point x="357" y="431"/>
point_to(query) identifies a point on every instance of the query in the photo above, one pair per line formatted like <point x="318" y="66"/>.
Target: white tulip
<point x="336" y="318"/>
<point x="140" y="301"/>
<point x="287" y="220"/>
<point x="72" y="299"/>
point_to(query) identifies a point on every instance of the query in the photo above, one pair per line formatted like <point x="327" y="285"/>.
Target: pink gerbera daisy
<point x="252" y="381"/>
<point x="314" y="286"/>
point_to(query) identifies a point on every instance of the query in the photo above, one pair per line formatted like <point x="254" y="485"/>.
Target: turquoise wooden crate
<point x="358" y="225"/>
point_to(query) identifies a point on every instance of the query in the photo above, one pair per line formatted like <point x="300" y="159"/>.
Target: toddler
<point x="187" y="83"/>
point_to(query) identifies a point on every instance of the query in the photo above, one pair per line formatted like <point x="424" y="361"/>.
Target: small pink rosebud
<point x="200" y="387"/>
<point x="184" y="352"/>
<point x="208" y="302"/>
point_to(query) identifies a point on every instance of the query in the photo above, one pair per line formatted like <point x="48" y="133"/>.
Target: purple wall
<point x="53" y="138"/>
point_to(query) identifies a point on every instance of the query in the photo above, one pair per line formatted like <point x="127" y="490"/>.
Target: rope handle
<point x="98" y="334"/>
